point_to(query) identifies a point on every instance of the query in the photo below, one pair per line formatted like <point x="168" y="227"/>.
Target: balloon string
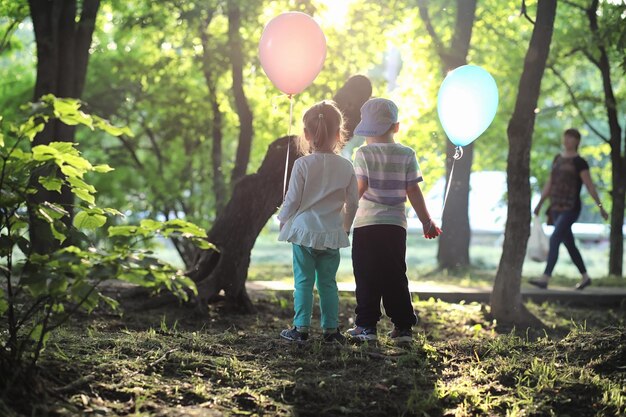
<point x="288" y="145"/>
<point x="458" y="154"/>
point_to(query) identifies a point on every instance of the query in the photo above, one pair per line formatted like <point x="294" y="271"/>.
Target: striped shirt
<point x="388" y="168"/>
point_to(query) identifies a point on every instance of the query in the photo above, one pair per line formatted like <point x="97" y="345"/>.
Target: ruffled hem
<point x="316" y="240"/>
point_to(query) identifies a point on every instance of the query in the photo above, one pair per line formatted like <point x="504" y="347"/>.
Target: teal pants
<point x="313" y="266"/>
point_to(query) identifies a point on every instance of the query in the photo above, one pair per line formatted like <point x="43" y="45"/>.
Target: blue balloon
<point x="467" y="103"/>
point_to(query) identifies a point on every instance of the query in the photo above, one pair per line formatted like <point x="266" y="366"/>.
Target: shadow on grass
<point x="172" y="362"/>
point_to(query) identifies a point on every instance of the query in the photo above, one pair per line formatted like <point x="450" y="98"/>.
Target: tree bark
<point x="254" y="199"/>
<point x="618" y="159"/>
<point x="62" y="58"/>
<point x="453" y="250"/>
<point x="506" y="299"/>
<point x="241" y="102"/>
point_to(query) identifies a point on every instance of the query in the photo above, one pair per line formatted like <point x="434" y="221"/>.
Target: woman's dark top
<point x="566" y="183"/>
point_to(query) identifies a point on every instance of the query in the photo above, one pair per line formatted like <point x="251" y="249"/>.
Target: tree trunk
<point x="453" y="251"/>
<point x="241" y="102"/>
<point x="506" y="299"/>
<point x="254" y="199"/>
<point x="618" y="160"/>
<point x="219" y="183"/>
<point x="62" y="58"/>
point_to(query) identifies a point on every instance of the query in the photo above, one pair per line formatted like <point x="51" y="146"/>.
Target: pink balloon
<point x="292" y="51"/>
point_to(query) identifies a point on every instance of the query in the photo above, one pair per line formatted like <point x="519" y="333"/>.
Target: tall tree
<point x="241" y="102"/>
<point x="506" y="299"/>
<point x="602" y="41"/>
<point x="600" y="58"/>
<point x="454" y="243"/>
<point x="63" y="35"/>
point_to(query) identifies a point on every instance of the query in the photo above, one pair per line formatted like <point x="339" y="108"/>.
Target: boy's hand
<point x="431" y="230"/>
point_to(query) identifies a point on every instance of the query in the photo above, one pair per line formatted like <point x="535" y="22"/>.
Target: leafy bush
<point x="40" y="292"/>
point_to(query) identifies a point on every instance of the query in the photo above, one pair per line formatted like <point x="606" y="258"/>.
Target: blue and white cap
<point x="377" y="116"/>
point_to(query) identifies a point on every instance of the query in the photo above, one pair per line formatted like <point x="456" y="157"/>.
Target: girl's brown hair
<point x="321" y="123"/>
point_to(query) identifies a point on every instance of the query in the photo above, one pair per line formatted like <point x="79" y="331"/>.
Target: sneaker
<point x="398" y="335"/>
<point x="583" y="284"/>
<point x="538" y="283"/>
<point x="335" y="337"/>
<point x="293" y="335"/>
<point x="362" y="334"/>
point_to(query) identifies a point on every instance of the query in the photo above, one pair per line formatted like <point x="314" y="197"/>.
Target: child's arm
<point x="294" y="195"/>
<point x="362" y="186"/>
<point x="414" y="193"/>
<point x="353" y="195"/>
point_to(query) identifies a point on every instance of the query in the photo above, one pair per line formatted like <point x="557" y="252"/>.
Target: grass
<point x="171" y="362"/>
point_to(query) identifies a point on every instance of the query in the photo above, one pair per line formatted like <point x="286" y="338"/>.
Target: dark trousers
<point x="563" y="221"/>
<point x="378" y="260"/>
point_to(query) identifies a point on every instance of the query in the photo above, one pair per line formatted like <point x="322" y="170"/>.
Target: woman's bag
<point x="538" y="242"/>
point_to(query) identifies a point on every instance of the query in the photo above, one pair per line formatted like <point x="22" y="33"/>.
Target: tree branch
<point x="155" y="145"/>
<point x="84" y="35"/>
<point x="575" y="5"/>
<point x="524" y="13"/>
<point x="572" y="95"/>
<point x="425" y="16"/>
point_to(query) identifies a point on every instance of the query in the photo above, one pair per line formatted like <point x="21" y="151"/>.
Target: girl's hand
<point x="431" y="230"/>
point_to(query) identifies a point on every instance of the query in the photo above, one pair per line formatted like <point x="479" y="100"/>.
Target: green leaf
<point x="64" y="147"/>
<point x="57" y="286"/>
<point x="122" y="231"/>
<point x="51" y="211"/>
<point x="4" y="303"/>
<point x="45" y="153"/>
<point x="150" y="225"/>
<point x="103" y="168"/>
<point x="203" y="244"/>
<point x="76" y="118"/>
<point x="84" y="195"/>
<point x="1" y="140"/>
<point x="34" y="283"/>
<point x="24" y="245"/>
<point x="32" y="126"/>
<point x="70" y="171"/>
<point x="36" y="333"/>
<point x="85" y="220"/>
<point x="112" y="303"/>
<point x="51" y="183"/>
<point x="80" y="184"/>
<point x="113" y="211"/>
<point x="76" y="161"/>
<point x="56" y="233"/>
<point x="6" y="245"/>
<point x="107" y="127"/>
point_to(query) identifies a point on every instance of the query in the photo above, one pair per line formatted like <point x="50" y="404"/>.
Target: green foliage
<point x="44" y="290"/>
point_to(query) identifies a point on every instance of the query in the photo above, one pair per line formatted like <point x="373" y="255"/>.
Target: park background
<point x="189" y="116"/>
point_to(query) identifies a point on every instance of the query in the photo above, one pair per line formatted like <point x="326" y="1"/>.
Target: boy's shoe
<point x="293" y="335"/>
<point x="335" y="337"/>
<point x="398" y="335"/>
<point x="362" y="334"/>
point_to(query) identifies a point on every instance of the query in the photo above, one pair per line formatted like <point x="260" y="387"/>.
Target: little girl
<point x="316" y="217"/>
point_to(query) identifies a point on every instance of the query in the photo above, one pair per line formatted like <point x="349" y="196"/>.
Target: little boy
<point x="387" y="173"/>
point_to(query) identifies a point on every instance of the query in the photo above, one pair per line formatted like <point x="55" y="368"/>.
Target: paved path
<point x="591" y="296"/>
